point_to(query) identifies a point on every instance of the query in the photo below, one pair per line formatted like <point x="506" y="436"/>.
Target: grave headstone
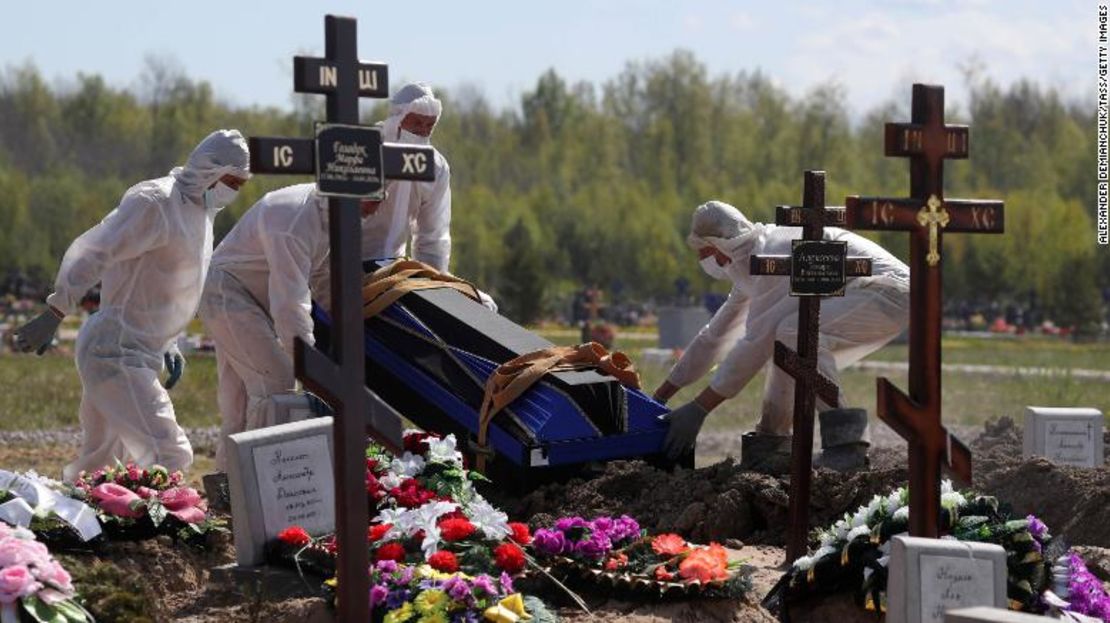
<point x="928" y="577"/>
<point x="280" y="476"/>
<point x="679" y="325"/>
<point x="1066" y="436"/>
<point x="982" y="614"/>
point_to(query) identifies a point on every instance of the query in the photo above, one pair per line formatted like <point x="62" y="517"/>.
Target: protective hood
<point x="220" y="153"/>
<point x="718" y="224"/>
<point x="415" y="97"/>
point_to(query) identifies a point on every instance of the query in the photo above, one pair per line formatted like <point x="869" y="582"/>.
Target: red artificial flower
<point x="509" y="557"/>
<point x="668" y="545"/>
<point x="417" y="442"/>
<point x="295" y="536"/>
<point x="662" y="574"/>
<point x="390" y="551"/>
<point x="455" y="514"/>
<point x="707" y="564"/>
<point x="376" y="532"/>
<point x="410" y="494"/>
<point x="521" y="535"/>
<point x="616" y="562"/>
<point x="454" y="529"/>
<point x="374" y="488"/>
<point x="329" y="544"/>
<point x="372" y="465"/>
<point x="444" y="561"/>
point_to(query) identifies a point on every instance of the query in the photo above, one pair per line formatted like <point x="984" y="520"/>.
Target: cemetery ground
<point x="157" y="580"/>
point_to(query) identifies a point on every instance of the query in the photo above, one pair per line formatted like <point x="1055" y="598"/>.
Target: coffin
<point x="428" y="356"/>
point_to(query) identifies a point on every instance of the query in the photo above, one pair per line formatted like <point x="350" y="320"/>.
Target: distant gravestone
<point x="992" y="615"/>
<point x="1064" y="435"/>
<point x="679" y="325"/>
<point x="928" y="577"/>
<point x="280" y="476"/>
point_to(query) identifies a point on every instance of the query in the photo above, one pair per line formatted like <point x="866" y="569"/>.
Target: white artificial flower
<point x="893" y="502"/>
<point x="824" y="551"/>
<point x="389" y="480"/>
<point x="428" y="515"/>
<point x="902" y="513"/>
<point x="841" y="530"/>
<point x="827" y="538"/>
<point x="407" y="465"/>
<point x="860" y="518"/>
<point x="805" y="563"/>
<point x="946" y="486"/>
<point x="874" y="506"/>
<point x="952" y="499"/>
<point x="430" y="544"/>
<point x="487" y="518"/>
<point x="857" y="532"/>
<point x="443" y="450"/>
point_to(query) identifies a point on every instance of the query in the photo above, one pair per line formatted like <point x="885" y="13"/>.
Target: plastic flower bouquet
<point x="33" y="585"/>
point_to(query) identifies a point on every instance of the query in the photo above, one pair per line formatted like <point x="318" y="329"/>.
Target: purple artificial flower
<point x="407" y="572"/>
<point x="549" y="542"/>
<point x="624" y="528"/>
<point x="485" y="584"/>
<point x="1037" y="528"/>
<point x="465" y="616"/>
<point x="457" y="589"/>
<point x="506" y="584"/>
<point x="595" y="547"/>
<point x="387" y="566"/>
<point x="378" y="594"/>
<point x="1085" y="592"/>
<point x="603" y="524"/>
<point x="567" y="524"/>
<point x="396" y="599"/>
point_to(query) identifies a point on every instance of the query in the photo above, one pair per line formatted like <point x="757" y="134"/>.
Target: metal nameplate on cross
<point x="817" y="268"/>
<point x="350" y="162"/>
<point x="926" y="215"/>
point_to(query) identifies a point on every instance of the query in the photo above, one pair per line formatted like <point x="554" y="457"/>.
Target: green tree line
<point x="594" y="184"/>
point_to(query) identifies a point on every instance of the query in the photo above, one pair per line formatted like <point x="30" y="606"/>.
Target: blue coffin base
<point x="542" y="428"/>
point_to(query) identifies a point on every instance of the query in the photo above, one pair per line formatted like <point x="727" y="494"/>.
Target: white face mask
<point x="404" y="136"/>
<point x="217" y="197"/>
<point x="711" y="268"/>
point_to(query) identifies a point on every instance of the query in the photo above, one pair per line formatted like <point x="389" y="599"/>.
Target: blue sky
<point x="873" y="49"/>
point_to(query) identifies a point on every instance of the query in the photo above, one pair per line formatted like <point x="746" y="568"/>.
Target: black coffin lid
<point x="466" y="324"/>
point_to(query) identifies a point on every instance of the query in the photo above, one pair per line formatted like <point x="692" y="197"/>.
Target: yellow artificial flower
<point x="435" y="617"/>
<point x="429" y="573"/>
<point x="400" y="615"/>
<point x="332" y="582"/>
<point x="431" y="601"/>
<point x="508" y="610"/>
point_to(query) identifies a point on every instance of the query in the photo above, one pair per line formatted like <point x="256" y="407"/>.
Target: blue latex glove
<point x="317" y="405"/>
<point x="175" y="365"/>
<point x="38" y="334"/>
<point x="685" y="423"/>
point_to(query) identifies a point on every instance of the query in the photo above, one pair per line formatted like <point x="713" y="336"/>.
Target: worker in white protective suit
<point x="415" y="212"/>
<point x="151" y="254"/>
<point x="258" y="298"/>
<point x="759" y="311"/>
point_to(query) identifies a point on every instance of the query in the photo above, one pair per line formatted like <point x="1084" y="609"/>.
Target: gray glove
<point x="38" y="334"/>
<point x="685" y="423"/>
<point x="175" y="365"/>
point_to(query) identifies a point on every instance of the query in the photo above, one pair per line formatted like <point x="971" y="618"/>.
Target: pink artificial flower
<point x="53" y="574"/>
<point x="16" y="582"/>
<point x="184" y="503"/>
<point x="16" y="551"/>
<point x="146" y="493"/>
<point x="117" y="500"/>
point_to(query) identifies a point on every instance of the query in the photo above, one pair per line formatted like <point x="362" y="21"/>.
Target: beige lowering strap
<point x="383" y="287"/>
<point x="513" y="378"/>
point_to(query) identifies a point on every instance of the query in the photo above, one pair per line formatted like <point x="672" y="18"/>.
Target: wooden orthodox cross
<point x="350" y="162"/>
<point x="817" y="268"/>
<point x="926" y="215"/>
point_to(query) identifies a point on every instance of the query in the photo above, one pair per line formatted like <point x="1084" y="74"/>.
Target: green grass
<point x="44" y="392"/>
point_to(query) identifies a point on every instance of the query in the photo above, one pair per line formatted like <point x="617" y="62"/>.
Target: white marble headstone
<point x="928" y="577"/>
<point x="280" y="476"/>
<point x="1064" y="435"/>
<point x="983" y="614"/>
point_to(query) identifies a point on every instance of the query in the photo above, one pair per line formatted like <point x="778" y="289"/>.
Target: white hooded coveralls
<point x="759" y="311"/>
<point x="151" y="254"/>
<point x="259" y="298"/>
<point x="420" y="211"/>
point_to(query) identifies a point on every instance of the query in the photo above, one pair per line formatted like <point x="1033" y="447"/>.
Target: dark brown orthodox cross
<point x="350" y="162"/>
<point x="926" y="215"/>
<point x="817" y="268"/>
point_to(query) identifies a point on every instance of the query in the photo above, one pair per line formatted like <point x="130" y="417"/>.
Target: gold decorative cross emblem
<point x="932" y="216"/>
